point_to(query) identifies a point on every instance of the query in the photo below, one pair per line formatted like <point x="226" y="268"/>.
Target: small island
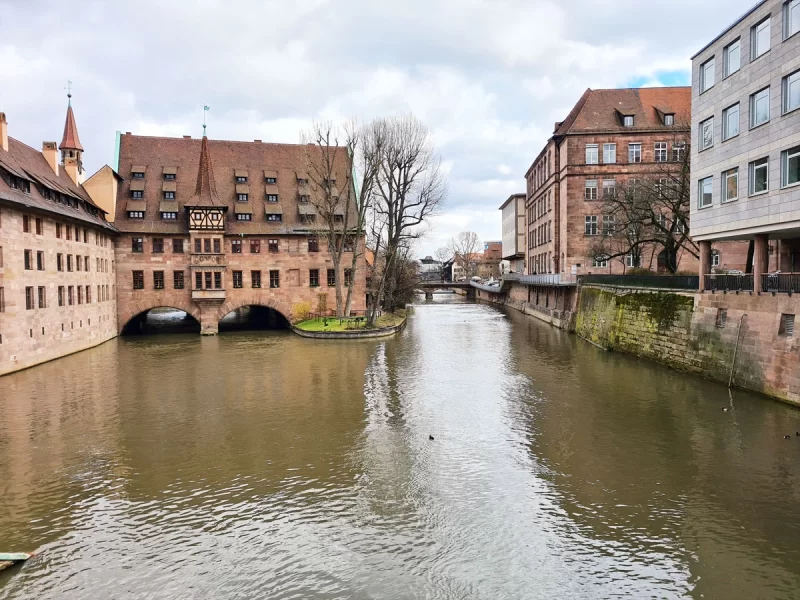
<point x="351" y="327"/>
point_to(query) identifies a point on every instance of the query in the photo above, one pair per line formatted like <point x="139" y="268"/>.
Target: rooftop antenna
<point x="206" y="108"/>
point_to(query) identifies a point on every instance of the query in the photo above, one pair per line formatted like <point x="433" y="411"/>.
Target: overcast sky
<point x="488" y="77"/>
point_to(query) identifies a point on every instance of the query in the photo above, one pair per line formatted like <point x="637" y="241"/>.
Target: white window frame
<point x="590" y="189"/>
<point x="726" y="114"/>
<point x="678" y="151"/>
<point x="609" y="224"/>
<point x="629" y="263"/>
<point x="590" y="225"/>
<point x="600" y="261"/>
<point x="726" y="176"/>
<point x="755" y="50"/>
<point x="634" y="152"/>
<point x="726" y="57"/>
<point x="660" y="152"/>
<point x="715" y="258"/>
<point x="754" y="99"/>
<point x="707" y="75"/>
<point x="627" y="120"/>
<point x="592" y="157"/>
<point x="786" y="156"/>
<point x="609" y="188"/>
<point x="706" y="124"/>
<point x="701" y="194"/>
<point x="761" y="163"/>
<point x="669" y="120"/>
<point x="609" y="151"/>
<point x="789" y="80"/>
<point x="791" y="18"/>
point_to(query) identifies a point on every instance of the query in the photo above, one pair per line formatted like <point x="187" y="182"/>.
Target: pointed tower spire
<point x="205" y="193"/>
<point x="71" y="149"/>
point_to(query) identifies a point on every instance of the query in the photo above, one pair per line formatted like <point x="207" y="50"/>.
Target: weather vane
<point x="69" y="92"/>
<point x="206" y="108"/>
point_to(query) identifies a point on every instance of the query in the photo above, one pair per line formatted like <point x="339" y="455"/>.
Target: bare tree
<point x="410" y="187"/>
<point x="649" y="212"/>
<point x="464" y="248"/>
<point x="442" y="255"/>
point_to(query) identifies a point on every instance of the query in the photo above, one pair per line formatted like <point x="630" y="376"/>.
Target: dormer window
<point x="137" y="194"/>
<point x="169" y="195"/>
<point x="241" y="197"/>
<point x="169" y="176"/>
<point x="136" y="214"/>
<point x="137" y="175"/>
<point x="304" y="198"/>
<point x="241" y="179"/>
<point x="669" y="120"/>
<point x="272" y="197"/>
<point x="302" y="181"/>
<point x="627" y="120"/>
<point x="274" y="218"/>
<point x="169" y="216"/>
<point x="272" y="180"/>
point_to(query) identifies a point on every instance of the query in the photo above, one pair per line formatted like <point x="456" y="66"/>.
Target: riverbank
<point x="351" y="328"/>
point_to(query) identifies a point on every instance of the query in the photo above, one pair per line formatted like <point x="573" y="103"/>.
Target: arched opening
<point x="253" y="317"/>
<point x="161" y="319"/>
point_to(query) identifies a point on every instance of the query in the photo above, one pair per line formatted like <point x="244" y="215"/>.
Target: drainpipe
<point x="736" y="349"/>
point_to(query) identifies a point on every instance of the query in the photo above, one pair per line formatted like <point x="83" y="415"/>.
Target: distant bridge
<point x="429" y="287"/>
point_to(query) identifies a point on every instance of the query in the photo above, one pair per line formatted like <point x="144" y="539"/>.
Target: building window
<point x="609" y="224"/>
<point x="706" y="133"/>
<point x="39" y="228"/>
<point x="40" y="261"/>
<point x="634" y="153"/>
<point x="274" y="218"/>
<point x="591" y="154"/>
<point x="272" y="246"/>
<point x="791" y="18"/>
<point x="590" y="225"/>
<point x="732" y="58"/>
<point x="715" y="258"/>
<point x="272" y="180"/>
<point x="59" y="262"/>
<point x="61" y="295"/>
<point x="69" y="232"/>
<point x="609" y="188"/>
<point x="759" y="108"/>
<point x="590" y="189"/>
<point x="78" y="262"/>
<point x="627" y="120"/>
<point x="759" y="39"/>
<point x="138" y="280"/>
<point x="217" y="246"/>
<point x="136" y="214"/>
<point x="313" y="277"/>
<point x="730" y="185"/>
<point x="759" y="176"/>
<point x="704" y="192"/>
<point x="669" y="120"/>
<point x="255" y="278"/>
<point x="730" y="122"/>
<point x="198" y="246"/>
<point x="137" y="175"/>
<point x="158" y="280"/>
<point x="272" y="197"/>
<point x="237" y="279"/>
<point x="241" y="197"/>
<point x="208" y="280"/>
<point x="137" y="194"/>
<point x="661" y="151"/>
<point x="28" y="257"/>
<point x="331" y="277"/>
<point x="786" y="327"/>
<point x="137" y="244"/>
<point x="707" y="75"/>
<point x="169" y="216"/>
<point x="274" y="279"/>
<point x="609" y="153"/>
<point x="313" y="244"/>
<point x="678" y="151"/>
<point x="255" y="246"/>
<point x="158" y="245"/>
<point x="71" y="295"/>
<point x="198" y="281"/>
<point x="244" y="217"/>
<point x="304" y="198"/>
<point x="58" y="230"/>
<point x="790" y="166"/>
<point x="42" y="297"/>
<point x="791" y="91"/>
<point x="169" y="195"/>
<point x="601" y="261"/>
<point x="69" y="263"/>
<point x="169" y="176"/>
<point x="241" y="179"/>
<point x="26" y="223"/>
<point x="348" y="277"/>
<point x="236" y="246"/>
<point x="177" y="246"/>
<point x="177" y="280"/>
<point x="633" y="262"/>
<point x="217" y="280"/>
<point x="29" y="303"/>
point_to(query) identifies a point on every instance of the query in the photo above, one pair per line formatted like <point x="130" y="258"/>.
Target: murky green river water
<point x="263" y="465"/>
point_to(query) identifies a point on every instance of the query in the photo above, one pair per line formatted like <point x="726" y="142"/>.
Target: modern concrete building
<point x="209" y="227"/>
<point x="513" y="215"/>
<point x="57" y="292"/>
<point x="746" y="127"/>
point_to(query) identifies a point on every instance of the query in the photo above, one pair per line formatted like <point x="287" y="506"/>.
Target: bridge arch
<point x="279" y="306"/>
<point x="128" y="317"/>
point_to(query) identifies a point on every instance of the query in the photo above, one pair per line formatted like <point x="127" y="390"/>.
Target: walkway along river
<point x="261" y="464"/>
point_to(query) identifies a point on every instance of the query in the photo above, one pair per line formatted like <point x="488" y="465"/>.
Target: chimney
<point x="50" y="153"/>
<point x="3" y="132"/>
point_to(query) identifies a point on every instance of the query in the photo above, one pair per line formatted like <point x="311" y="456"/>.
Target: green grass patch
<point x="351" y="323"/>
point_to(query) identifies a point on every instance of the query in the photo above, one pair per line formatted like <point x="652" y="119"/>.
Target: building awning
<point x="242" y="188"/>
<point x="135" y="205"/>
<point x="168" y="206"/>
<point x="270" y="174"/>
<point x="169" y="186"/>
<point x="273" y="208"/>
<point x="138" y="169"/>
<point x="170" y="170"/>
<point x="241" y="208"/>
<point x="339" y="211"/>
<point x="306" y="208"/>
<point x="302" y="175"/>
<point x="240" y="173"/>
<point x="137" y="185"/>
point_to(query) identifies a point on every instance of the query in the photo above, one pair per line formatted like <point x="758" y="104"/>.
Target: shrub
<point x="301" y="311"/>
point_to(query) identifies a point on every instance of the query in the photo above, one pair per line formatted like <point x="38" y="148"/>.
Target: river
<point x="264" y="465"/>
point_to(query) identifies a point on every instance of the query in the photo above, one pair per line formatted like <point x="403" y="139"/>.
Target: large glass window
<point x="791" y="18"/>
<point x="609" y="188"/>
<point x="590" y="225"/>
<point x="733" y="57"/>
<point x="759" y="39"/>
<point x="759" y="176"/>
<point x="590" y="189"/>
<point x="730" y="185"/>
<point x="609" y="153"/>
<point x="660" y="150"/>
<point x="634" y="153"/>
<point x="790" y="166"/>
<point x="759" y="108"/>
<point x="730" y="122"/>
<point x="707" y="133"/>
<point x="705" y="189"/>
<point x="791" y="91"/>
<point x="591" y="154"/>
<point x="706" y="75"/>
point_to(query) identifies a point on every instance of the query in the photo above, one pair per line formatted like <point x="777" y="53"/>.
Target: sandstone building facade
<point x="209" y="227"/>
<point x="57" y="280"/>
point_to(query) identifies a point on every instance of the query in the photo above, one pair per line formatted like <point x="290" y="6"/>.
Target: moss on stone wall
<point x="663" y="307"/>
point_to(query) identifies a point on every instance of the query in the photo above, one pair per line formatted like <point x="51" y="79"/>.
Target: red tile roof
<point x="70" y="140"/>
<point x="205" y="192"/>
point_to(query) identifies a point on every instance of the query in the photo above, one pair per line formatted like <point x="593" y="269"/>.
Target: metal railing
<point x="548" y="279"/>
<point x="671" y="282"/>
<point x="781" y="282"/>
<point x="495" y="289"/>
<point x="729" y="283"/>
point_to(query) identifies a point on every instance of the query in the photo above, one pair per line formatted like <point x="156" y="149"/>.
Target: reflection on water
<point x="266" y="465"/>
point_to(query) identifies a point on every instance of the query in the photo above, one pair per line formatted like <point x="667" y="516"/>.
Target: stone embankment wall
<point x="698" y="333"/>
<point x="553" y="305"/>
